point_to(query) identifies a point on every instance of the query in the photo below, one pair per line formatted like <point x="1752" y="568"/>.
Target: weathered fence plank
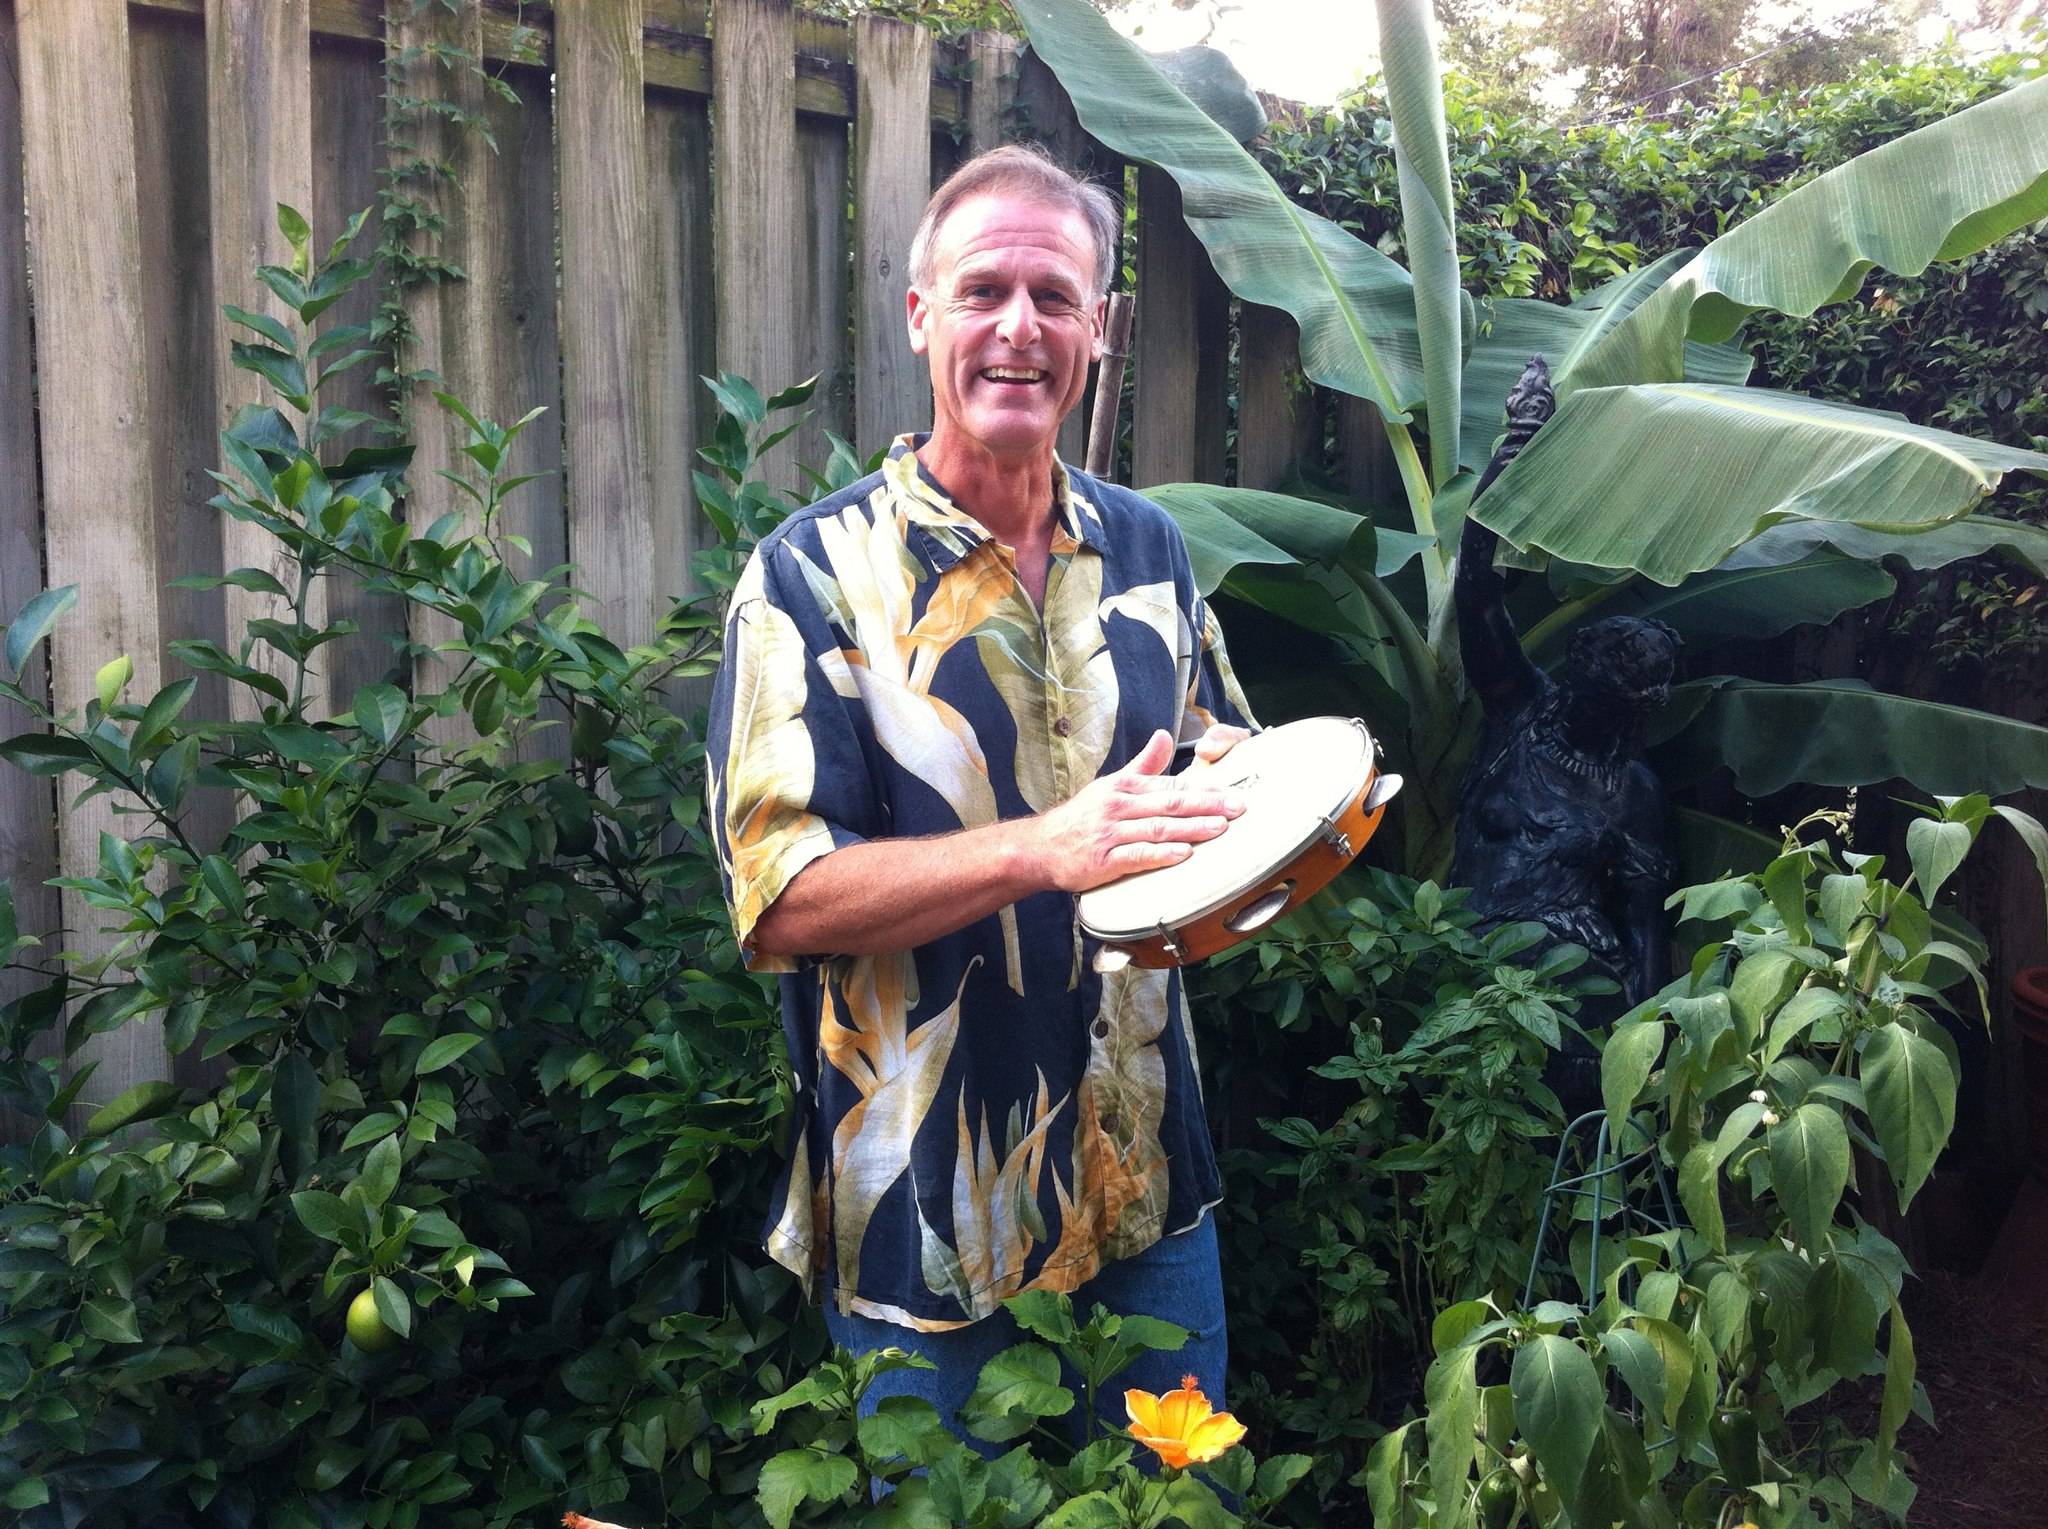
<point x="992" y="91"/>
<point x="680" y="329"/>
<point x="892" y="145"/>
<point x="28" y="806"/>
<point x="450" y="320"/>
<point x="348" y="136"/>
<point x="1178" y="409"/>
<point x="259" y="141"/>
<point x="604" y="366"/>
<point x="757" y="224"/>
<point x="93" y="376"/>
<point x="1277" y="421"/>
<point x="819" y="339"/>
<point x="1365" y="460"/>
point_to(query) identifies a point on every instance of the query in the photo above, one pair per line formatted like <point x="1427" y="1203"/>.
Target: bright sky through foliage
<point x="1311" y="50"/>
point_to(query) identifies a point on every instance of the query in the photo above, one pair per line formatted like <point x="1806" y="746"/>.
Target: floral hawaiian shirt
<point x="984" y="1114"/>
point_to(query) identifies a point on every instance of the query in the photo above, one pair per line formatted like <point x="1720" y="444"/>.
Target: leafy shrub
<point x="481" y="1045"/>
<point x="840" y="1459"/>
<point x="1802" y="1057"/>
<point x="1410" y="1177"/>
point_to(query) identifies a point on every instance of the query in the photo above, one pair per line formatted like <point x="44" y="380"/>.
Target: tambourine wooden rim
<point x="1317" y="845"/>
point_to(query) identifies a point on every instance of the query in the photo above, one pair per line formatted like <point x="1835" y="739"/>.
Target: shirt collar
<point x="951" y="533"/>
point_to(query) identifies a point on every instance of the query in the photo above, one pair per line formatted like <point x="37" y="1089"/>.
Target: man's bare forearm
<point x="895" y="894"/>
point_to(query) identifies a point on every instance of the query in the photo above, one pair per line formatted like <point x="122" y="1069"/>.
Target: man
<point x="950" y="697"/>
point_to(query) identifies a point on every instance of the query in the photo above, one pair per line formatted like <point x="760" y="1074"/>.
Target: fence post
<point x="990" y="94"/>
<point x="450" y="319"/>
<point x="1276" y="417"/>
<point x="753" y="146"/>
<point x="601" y="95"/>
<point x="259" y="138"/>
<point x="892" y="153"/>
<point x="92" y="370"/>
<point x="1178" y="410"/>
<point x="28" y="804"/>
<point x="681" y="334"/>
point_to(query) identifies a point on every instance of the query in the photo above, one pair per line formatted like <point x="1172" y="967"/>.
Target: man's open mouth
<point x="1012" y="376"/>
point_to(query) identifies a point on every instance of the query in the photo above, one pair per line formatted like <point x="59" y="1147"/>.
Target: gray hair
<point x="1026" y="170"/>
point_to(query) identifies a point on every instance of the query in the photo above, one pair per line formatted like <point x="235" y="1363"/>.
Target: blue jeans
<point x="1177" y="1279"/>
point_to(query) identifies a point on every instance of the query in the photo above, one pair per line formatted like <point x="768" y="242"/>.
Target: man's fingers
<point x="1219" y="740"/>
<point x="1169" y="796"/>
<point x="1155" y="756"/>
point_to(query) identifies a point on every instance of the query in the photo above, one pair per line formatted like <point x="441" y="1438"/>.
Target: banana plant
<point x="1664" y="485"/>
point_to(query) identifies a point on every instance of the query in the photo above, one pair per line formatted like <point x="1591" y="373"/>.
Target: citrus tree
<point x="1664" y="486"/>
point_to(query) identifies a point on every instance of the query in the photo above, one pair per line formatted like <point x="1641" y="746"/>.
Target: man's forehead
<point x="985" y="228"/>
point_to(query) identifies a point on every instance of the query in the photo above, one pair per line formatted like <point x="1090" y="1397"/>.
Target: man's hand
<point x="1136" y="819"/>
<point x="1219" y="740"/>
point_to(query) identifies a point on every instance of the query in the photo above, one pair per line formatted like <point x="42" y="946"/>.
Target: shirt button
<point x="1101" y="1028"/>
<point x="1109" y="1124"/>
<point x="1062" y="727"/>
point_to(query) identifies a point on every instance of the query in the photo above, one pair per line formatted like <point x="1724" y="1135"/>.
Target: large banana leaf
<point x="1310" y="563"/>
<point x="1940" y="193"/>
<point x="1354" y="306"/>
<point x="1972" y="536"/>
<point x="1669" y="480"/>
<point x="1429" y="226"/>
<point x="1751" y="603"/>
<point x="1843" y="733"/>
<point x="1518" y="328"/>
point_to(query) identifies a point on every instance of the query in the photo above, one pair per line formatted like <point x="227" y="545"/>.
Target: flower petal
<point x="1213" y="1436"/>
<point x="1142" y="1407"/>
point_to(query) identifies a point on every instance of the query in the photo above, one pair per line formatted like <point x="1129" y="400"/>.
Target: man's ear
<point x="916" y="313"/>
<point x="1097" y="323"/>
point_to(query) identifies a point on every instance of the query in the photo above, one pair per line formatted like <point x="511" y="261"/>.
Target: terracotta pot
<point x="2030" y="1015"/>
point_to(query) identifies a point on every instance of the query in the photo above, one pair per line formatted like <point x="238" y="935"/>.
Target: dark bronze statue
<point x="1562" y="821"/>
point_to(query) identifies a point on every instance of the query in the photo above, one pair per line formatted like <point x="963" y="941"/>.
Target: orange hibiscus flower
<point x="1181" y="1427"/>
<point x="578" y="1521"/>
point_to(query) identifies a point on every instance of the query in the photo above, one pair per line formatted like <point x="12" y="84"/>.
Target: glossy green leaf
<point x="1809" y="1169"/>
<point x="1909" y="1092"/>
<point x="1936" y="849"/>
<point x="1626" y="1061"/>
<point x="437" y="1054"/>
<point x="143" y="1101"/>
<point x="1747" y="604"/>
<point x="33" y="622"/>
<point x="1940" y="193"/>
<point x="1013" y="1391"/>
<point x="1451" y="1395"/>
<point x="1720" y="464"/>
<point x="1795" y="541"/>
<point x="1354" y="306"/>
<point x="1558" y="1401"/>
<point x="1842" y="733"/>
<point x="2033" y="835"/>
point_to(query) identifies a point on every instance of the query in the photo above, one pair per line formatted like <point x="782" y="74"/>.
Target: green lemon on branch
<point x="366" y="1329"/>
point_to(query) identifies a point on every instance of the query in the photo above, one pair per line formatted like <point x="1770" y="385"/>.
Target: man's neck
<point x="1010" y="495"/>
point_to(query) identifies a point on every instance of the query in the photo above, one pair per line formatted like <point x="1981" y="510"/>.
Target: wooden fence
<point x="625" y="236"/>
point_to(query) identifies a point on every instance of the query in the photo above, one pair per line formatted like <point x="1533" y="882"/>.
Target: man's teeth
<point x="1013" y="374"/>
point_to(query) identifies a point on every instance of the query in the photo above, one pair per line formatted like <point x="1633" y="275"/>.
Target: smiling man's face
<point x="1009" y="324"/>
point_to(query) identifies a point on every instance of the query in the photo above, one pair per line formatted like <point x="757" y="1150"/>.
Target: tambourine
<point x="1313" y="794"/>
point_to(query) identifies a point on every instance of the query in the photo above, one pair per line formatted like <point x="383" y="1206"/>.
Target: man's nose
<point x="1018" y="324"/>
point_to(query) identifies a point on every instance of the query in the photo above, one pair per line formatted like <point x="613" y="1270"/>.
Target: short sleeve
<point x="788" y="770"/>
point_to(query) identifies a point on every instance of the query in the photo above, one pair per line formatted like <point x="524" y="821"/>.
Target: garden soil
<point x="1982" y="1344"/>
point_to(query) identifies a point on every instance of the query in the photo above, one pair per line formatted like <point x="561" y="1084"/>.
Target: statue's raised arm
<point x="1495" y="666"/>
